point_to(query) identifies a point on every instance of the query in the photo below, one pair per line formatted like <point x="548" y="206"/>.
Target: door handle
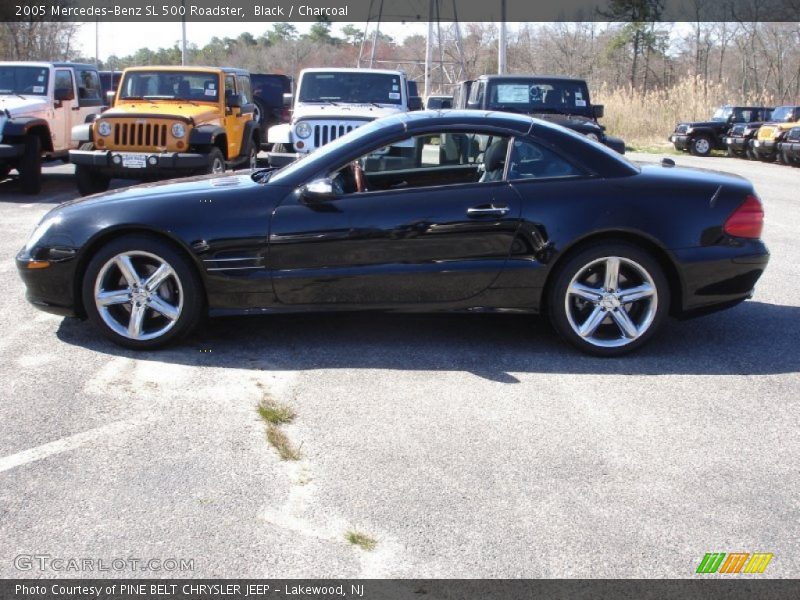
<point x="487" y="210"/>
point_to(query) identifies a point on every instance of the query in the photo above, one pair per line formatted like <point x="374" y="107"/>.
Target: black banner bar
<point x="400" y="10"/>
<point x="711" y="588"/>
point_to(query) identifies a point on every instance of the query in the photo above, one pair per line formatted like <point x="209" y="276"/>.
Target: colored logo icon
<point x="734" y="562"/>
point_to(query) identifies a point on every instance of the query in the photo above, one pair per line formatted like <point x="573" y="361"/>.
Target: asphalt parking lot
<point x="467" y="446"/>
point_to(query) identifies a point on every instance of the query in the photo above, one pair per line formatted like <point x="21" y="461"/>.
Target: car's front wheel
<point x="142" y="292"/>
<point x="700" y="146"/>
<point x="609" y="299"/>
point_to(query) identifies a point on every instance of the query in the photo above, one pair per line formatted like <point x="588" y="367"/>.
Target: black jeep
<point x="789" y="148"/>
<point x="562" y="100"/>
<point x="740" y="139"/>
<point x="701" y="137"/>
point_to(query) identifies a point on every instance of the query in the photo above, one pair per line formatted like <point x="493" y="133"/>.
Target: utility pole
<point x="501" y="48"/>
<point x="97" y="43"/>
<point x="429" y="50"/>
<point x="183" y="34"/>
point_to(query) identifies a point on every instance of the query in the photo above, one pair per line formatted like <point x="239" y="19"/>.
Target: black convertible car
<point x="427" y="211"/>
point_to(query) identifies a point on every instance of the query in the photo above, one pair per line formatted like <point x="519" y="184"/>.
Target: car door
<point x="61" y="126"/>
<point x="89" y="98"/>
<point x="413" y="239"/>
<point x="234" y="119"/>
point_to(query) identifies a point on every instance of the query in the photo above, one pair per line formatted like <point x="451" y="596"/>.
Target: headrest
<point x="495" y="157"/>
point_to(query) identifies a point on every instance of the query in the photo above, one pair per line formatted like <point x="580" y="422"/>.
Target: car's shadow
<point x="752" y="339"/>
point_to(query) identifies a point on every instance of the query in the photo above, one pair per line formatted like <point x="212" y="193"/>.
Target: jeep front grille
<point x="328" y="132"/>
<point x="681" y="128"/>
<point x="140" y="135"/>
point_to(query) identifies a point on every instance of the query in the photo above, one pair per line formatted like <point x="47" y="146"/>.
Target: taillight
<point x="747" y="221"/>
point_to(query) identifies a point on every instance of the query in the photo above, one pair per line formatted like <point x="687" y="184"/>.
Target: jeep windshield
<point x="539" y="96"/>
<point x="783" y="113"/>
<point x="722" y="114"/>
<point x="170" y="85"/>
<point x="23" y="80"/>
<point x="352" y="88"/>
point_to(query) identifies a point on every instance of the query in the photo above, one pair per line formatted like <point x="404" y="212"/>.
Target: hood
<point x="22" y="106"/>
<point x="703" y="124"/>
<point x="198" y="112"/>
<point x="577" y="123"/>
<point x="344" y="111"/>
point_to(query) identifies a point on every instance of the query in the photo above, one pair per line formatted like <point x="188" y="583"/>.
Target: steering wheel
<point x="358" y="176"/>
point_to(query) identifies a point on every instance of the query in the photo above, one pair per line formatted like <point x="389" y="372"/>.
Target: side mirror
<point x="111" y="95"/>
<point x="598" y="110"/>
<point x="287" y="99"/>
<point x="318" y="190"/>
<point x="234" y="101"/>
<point x="63" y="94"/>
<point x="414" y="103"/>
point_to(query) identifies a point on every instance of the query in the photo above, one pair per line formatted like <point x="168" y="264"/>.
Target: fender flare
<point x="251" y="130"/>
<point x="280" y="134"/>
<point x="21" y="126"/>
<point x="205" y="135"/>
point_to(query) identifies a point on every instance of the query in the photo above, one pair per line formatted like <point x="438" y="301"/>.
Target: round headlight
<point x="303" y="130"/>
<point x="593" y="136"/>
<point x="178" y="130"/>
<point x="104" y="128"/>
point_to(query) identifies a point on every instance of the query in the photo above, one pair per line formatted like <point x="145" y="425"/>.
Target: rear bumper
<point x="110" y="162"/>
<point x="716" y="277"/>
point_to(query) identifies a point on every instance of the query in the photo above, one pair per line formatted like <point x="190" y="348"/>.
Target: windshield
<point x="783" y="113"/>
<point x="170" y="85"/>
<point x="23" y="80"/>
<point x="723" y="113"/>
<point x="569" y="97"/>
<point x="355" y="88"/>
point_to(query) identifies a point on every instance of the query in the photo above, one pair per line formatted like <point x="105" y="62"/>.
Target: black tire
<point x="252" y="154"/>
<point x="88" y="180"/>
<point x="191" y="301"/>
<point x="281" y="148"/>
<point x="750" y="154"/>
<point x="607" y="339"/>
<point x="30" y="165"/>
<point x="700" y="146"/>
<point x="733" y="153"/>
<point x="215" y="161"/>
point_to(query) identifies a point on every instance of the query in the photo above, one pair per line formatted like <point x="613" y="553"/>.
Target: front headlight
<point x="104" y="128"/>
<point x="40" y="231"/>
<point x="178" y="130"/>
<point x="303" y="130"/>
<point x="593" y="136"/>
<point x="689" y="129"/>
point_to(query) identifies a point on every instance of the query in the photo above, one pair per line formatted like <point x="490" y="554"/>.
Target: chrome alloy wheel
<point x="611" y="302"/>
<point x="138" y="295"/>
<point x="702" y="145"/>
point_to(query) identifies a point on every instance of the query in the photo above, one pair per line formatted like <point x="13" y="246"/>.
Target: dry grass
<point x="646" y="120"/>
<point x="281" y="442"/>
<point x="362" y="540"/>
<point x="274" y="412"/>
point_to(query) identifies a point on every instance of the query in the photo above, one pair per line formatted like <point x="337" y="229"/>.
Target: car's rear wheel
<point x="30" y="165"/>
<point x="700" y="146"/>
<point x="88" y="180"/>
<point x="609" y="299"/>
<point x="141" y="292"/>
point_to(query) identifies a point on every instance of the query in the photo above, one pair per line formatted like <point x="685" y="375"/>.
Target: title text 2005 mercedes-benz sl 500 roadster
<point x="426" y="211"/>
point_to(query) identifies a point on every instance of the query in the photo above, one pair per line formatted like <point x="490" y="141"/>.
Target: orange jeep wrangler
<point x="169" y="122"/>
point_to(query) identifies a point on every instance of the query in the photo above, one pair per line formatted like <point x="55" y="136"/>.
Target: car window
<point x="63" y="79"/>
<point x="89" y="88"/>
<point x="244" y="88"/>
<point x="530" y="160"/>
<point x="433" y="159"/>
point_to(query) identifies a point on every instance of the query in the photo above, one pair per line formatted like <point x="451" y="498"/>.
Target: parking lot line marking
<point x="64" y="444"/>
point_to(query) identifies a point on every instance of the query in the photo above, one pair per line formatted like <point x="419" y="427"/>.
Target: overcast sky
<point x="122" y="39"/>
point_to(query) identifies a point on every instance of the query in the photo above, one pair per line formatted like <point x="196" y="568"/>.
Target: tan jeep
<point x="169" y="122"/>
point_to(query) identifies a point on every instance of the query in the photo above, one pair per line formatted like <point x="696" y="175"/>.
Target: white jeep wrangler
<point x="40" y="102"/>
<point x="331" y="102"/>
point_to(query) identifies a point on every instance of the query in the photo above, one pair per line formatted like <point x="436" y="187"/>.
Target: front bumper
<point x="149" y="164"/>
<point x="716" y="277"/>
<point x="737" y="144"/>
<point x="792" y="149"/>
<point x="11" y="151"/>
<point x="680" y="141"/>
<point x="49" y="289"/>
<point x="765" y="148"/>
